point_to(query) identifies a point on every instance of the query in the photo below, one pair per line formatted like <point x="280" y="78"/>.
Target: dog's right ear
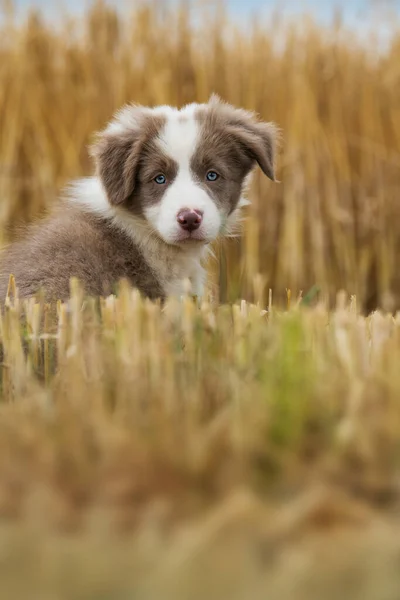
<point x="116" y="154"/>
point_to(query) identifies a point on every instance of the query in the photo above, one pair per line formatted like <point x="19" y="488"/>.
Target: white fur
<point x="159" y="236"/>
<point x="171" y="264"/>
<point x="128" y="118"/>
<point x="179" y="140"/>
<point x="124" y="119"/>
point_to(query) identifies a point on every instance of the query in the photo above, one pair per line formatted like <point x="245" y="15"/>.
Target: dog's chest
<point x="175" y="272"/>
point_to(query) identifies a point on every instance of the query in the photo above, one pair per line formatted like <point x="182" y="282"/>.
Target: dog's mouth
<point x="193" y="237"/>
<point x="198" y="237"/>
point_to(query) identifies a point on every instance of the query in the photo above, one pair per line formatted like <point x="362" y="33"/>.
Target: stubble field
<point x="247" y="446"/>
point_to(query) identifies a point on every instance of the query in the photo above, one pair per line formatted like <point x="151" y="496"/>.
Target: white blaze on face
<point x="178" y="140"/>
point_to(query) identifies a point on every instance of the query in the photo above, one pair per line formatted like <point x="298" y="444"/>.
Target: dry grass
<point x="332" y="222"/>
<point x="226" y="440"/>
<point x="238" y="450"/>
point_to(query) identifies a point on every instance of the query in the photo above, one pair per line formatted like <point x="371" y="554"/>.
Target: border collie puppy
<point x="168" y="182"/>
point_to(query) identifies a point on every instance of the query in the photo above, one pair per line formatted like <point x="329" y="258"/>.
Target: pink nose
<point x="189" y="220"/>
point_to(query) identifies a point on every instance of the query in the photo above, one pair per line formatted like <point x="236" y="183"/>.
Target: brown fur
<point x="239" y="137"/>
<point x="231" y="142"/>
<point x="127" y="162"/>
<point x="75" y="243"/>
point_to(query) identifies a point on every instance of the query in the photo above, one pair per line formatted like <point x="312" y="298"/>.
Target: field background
<point x="333" y="219"/>
<point x="241" y="449"/>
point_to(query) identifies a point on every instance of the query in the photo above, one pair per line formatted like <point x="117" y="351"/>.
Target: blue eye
<point x="160" y="179"/>
<point x="212" y="176"/>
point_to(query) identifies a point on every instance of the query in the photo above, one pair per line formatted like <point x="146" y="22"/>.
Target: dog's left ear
<point x="258" y="141"/>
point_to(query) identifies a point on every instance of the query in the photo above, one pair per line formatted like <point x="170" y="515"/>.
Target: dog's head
<point x="182" y="171"/>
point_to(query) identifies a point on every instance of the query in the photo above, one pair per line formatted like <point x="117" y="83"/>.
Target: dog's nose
<point x="189" y="220"/>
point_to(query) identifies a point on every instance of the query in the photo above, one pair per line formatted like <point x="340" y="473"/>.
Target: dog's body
<point x="168" y="183"/>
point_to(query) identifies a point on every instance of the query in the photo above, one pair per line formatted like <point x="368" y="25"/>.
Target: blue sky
<point x="354" y="11"/>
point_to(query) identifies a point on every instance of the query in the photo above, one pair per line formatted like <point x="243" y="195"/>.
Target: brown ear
<point x="117" y="157"/>
<point x="258" y="142"/>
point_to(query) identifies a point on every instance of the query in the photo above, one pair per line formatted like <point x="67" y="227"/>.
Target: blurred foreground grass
<point x="198" y="451"/>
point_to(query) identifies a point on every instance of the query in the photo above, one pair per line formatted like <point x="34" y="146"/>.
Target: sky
<point x="354" y="11"/>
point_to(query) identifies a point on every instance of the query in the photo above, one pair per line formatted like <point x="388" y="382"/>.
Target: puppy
<point x="168" y="182"/>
